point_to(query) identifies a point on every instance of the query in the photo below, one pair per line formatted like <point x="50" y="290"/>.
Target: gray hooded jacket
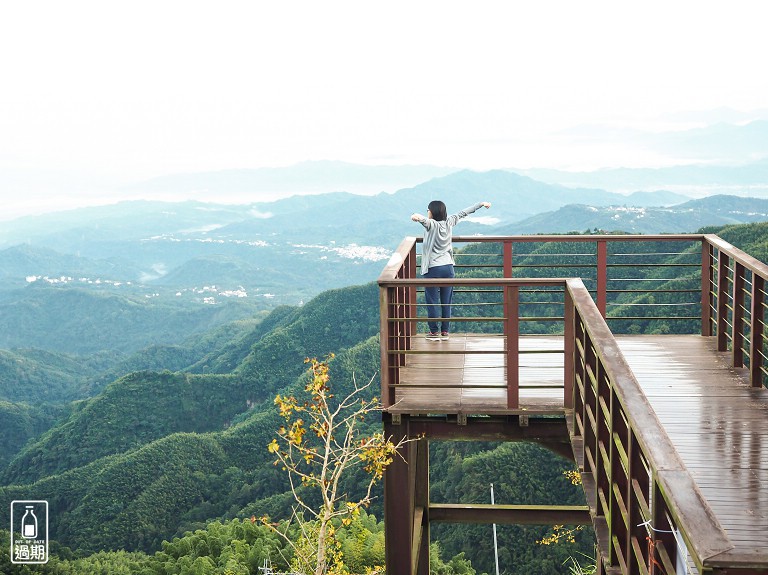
<point x="437" y="249"/>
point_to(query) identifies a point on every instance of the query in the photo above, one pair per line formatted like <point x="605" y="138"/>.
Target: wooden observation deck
<point x="669" y="430"/>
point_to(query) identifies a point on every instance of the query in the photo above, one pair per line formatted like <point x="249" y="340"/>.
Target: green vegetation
<point x="522" y="474"/>
<point x="36" y="376"/>
<point x="84" y="321"/>
<point x="237" y="547"/>
<point x="154" y="462"/>
<point x="21" y="423"/>
<point x="319" y="445"/>
<point x="130" y="413"/>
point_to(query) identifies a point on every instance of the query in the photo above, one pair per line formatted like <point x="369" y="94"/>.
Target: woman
<point x="437" y="262"/>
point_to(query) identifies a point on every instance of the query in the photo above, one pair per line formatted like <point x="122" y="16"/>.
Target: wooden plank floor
<point x="467" y="374"/>
<point x="717" y="422"/>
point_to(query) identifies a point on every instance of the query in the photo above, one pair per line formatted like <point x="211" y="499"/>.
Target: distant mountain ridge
<point x="749" y="179"/>
<point x="291" y="248"/>
<point x="687" y="217"/>
<point x="205" y="264"/>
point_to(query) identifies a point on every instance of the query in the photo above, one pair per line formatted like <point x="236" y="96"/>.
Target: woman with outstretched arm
<point x="437" y="262"/>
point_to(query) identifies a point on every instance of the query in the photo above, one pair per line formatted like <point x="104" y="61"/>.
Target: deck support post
<point x="406" y="501"/>
<point x="421" y="500"/>
<point x="398" y="503"/>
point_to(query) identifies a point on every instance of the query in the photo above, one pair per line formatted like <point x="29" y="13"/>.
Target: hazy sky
<point x="119" y="91"/>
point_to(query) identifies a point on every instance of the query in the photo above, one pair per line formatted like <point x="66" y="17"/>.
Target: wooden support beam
<point x="510" y="514"/>
<point x="418" y="537"/>
<point x="421" y="516"/>
<point x="398" y="505"/>
<point x="500" y="428"/>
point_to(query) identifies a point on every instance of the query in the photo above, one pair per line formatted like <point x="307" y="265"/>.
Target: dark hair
<point x="439" y="211"/>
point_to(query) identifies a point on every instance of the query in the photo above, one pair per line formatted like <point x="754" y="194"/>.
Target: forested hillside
<point x="156" y="454"/>
<point x="143" y="406"/>
<point x="132" y="451"/>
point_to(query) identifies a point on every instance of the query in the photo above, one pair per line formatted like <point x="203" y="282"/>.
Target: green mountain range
<point x="141" y="408"/>
<point x="157" y="454"/>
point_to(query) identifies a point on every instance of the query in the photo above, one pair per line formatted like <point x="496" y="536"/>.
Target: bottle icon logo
<point x="29" y="523"/>
<point x="29" y="532"/>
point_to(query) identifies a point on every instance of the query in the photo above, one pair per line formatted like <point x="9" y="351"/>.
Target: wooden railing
<point x="646" y="506"/>
<point x="734" y="304"/>
<point x="703" y="285"/>
<point x="637" y="486"/>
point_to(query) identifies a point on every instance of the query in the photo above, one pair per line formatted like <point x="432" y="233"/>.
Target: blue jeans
<point x="439" y="298"/>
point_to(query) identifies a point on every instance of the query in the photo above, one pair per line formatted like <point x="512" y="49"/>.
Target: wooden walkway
<point x="717" y="422"/>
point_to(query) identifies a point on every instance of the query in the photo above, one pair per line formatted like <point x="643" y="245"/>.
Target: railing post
<point x="757" y="328"/>
<point x="512" y="333"/>
<point x="722" y="301"/>
<point x="662" y="528"/>
<point x="507" y="257"/>
<point x="602" y="276"/>
<point x="399" y="336"/>
<point x="569" y="336"/>
<point x="638" y="507"/>
<point x="580" y="378"/>
<point x="412" y="294"/>
<point x="604" y="438"/>
<point x="707" y="281"/>
<point x="385" y="337"/>
<point x="619" y="481"/>
<point x="737" y="328"/>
